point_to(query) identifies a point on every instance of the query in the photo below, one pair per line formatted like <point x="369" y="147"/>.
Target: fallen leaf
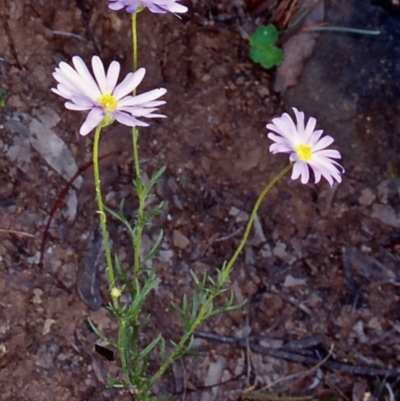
<point x="298" y="48"/>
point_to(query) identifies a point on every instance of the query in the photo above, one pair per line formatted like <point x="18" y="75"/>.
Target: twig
<point x="58" y="202"/>
<point x="281" y="353"/>
<point x="390" y="391"/>
<point x="16" y="232"/>
<point x="70" y="35"/>
<point x="229" y="236"/>
<point x="300" y="374"/>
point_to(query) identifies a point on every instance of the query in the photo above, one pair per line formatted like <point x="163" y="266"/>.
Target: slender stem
<point x="16" y="232"/>
<point x="103" y="218"/>
<point x="224" y="274"/>
<point x="139" y="228"/>
<point x="253" y="215"/>
<point x="135" y="132"/>
<point x="139" y="232"/>
<point x="134" y="42"/>
<point x="122" y="348"/>
<point x="174" y="354"/>
<point x="135" y="137"/>
<point x="342" y="29"/>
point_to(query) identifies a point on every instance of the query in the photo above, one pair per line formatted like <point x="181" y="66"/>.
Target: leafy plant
<point x="2" y="97"/>
<point x="262" y="46"/>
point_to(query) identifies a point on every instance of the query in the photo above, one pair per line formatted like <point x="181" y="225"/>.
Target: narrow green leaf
<point x="101" y="335"/>
<point x="149" y="348"/>
<point x="155" y="248"/>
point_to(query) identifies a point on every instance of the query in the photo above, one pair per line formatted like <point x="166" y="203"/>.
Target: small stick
<point x="304" y="359"/>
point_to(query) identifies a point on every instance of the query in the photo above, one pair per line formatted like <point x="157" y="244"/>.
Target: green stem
<point x="140" y="224"/>
<point x="135" y="132"/>
<point x="225" y="273"/>
<point x="103" y="219"/>
<point x="134" y="43"/>
<point x="174" y="354"/>
<point x="253" y="215"/>
<point x="123" y="349"/>
<point x="135" y="137"/>
<point x="138" y="235"/>
<point x="343" y="29"/>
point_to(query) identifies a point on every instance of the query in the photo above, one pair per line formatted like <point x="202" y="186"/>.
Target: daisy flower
<point x="102" y="96"/>
<point x="306" y="146"/>
<point x="155" y="6"/>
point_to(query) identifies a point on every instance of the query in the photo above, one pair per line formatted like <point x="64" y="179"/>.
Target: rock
<point x="386" y="215"/>
<point x="179" y="240"/>
<point x="366" y="198"/>
<point x="291" y="281"/>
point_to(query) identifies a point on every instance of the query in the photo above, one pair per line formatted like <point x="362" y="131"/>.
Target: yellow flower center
<point x="304" y="152"/>
<point x="107" y="101"/>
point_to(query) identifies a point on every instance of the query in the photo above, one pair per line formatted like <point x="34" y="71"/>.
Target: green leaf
<point x="267" y="57"/>
<point x="264" y="36"/>
<point x="149" y="348"/>
<point x="262" y="46"/>
<point x="101" y="335"/>
<point x="155" y="248"/>
<point x="2" y="97"/>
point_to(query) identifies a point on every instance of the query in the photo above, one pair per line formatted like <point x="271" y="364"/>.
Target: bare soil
<point x="321" y="267"/>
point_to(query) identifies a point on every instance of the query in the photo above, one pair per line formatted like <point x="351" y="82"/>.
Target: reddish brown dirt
<point x="323" y="263"/>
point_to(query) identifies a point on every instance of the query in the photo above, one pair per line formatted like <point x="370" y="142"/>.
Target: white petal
<point x="65" y="84"/>
<point x="279" y="139"/>
<point x="305" y="174"/>
<point x="116" y="5"/>
<point x="160" y="6"/>
<point x="131" y="81"/>
<point x="99" y="73"/>
<point x="128" y="120"/>
<point x="176" y="8"/>
<point x="73" y="106"/>
<point x="300" y="122"/>
<point x="286" y="127"/>
<point x="323" y="143"/>
<point x="83" y="101"/>
<point x="141" y="112"/>
<point x="60" y="92"/>
<point x="309" y="130"/>
<point x="75" y="83"/>
<point x="317" y="175"/>
<point x="87" y="77"/>
<point x="334" y="154"/>
<point x="297" y="170"/>
<point x="156" y="10"/>
<point x="112" y="75"/>
<point x="127" y="102"/>
<point x="93" y="119"/>
<point x="280" y="148"/>
<point x="327" y="168"/>
<point x="314" y="137"/>
<point x="145" y="97"/>
<point x="328" y="178"/>
<point x="274" y="148"/>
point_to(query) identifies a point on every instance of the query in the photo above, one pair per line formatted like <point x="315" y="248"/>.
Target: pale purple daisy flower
<point x="155" y="6"/>
<point x="306" y="148"/>
<point x="102" y="96"/>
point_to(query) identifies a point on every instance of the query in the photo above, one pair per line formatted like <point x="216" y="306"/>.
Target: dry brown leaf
<point x="298" y="48"/>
